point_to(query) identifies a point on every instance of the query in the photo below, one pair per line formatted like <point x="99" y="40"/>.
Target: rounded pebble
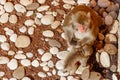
<point x="11" y="52"/>
<point x="47" y="19"/>
<point x="5" y="46"/>
<point x="63" y="78"/>
<point x="2" y="11"/>
<point x="55" y="24"/>
<point x="72" y="2"/>
<point x="29" y="13"/>
<point x="26" y="2"/>
<point x="13" y="37"/>
<point x="12" y="79"/>
<point x="62" y="54"/>
<point x="105" y="59"/>
<point x="13" y="64"/>
<point x="108" y="20"/>
<point x="114" y="28"/>
<point x="4" y="18"/>
<point x="25" y="62"/>
<point x="48" y="33"/>
<point x="41" y="1"/>
<point x="29" y="54"/>
<point x="22" y="41"/>
<point x="54" y="43"/>
<point x="31" y="30"/>
<point x="26" y="78"/>
<point x="54" y="50"/>
<point x="29" y="22"/>
<point x="47" y="56"/>
<point x="8" y="6"/>
<point x="46" y="68"/>
<point x="32" y="6"/>
<point x="50" y="64"/>
<point x="3" y="1"/>
<point x="13" y="19"/>
<point x="59" y="64"/>
<point x="20" y="8"/>
<point x="40" y="51"/>
<point x="3" y="38"/>
<point x="35" y="63"/>
<point x="4" y="60"/>
<point x="23" y="29"/>
<point x="43" y="8"/>
<point x="41" y="74"/>
<point x="103" y="3"/>
<point x="20" y="56"/>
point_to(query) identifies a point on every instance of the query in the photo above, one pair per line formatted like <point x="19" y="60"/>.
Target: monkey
<point x="81" y="27"/>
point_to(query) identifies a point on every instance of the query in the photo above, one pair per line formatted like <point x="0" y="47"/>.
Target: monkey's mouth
<point x="81" y="28"/>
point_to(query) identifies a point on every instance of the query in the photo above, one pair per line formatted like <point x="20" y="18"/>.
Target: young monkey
<point x="81" y="27"/>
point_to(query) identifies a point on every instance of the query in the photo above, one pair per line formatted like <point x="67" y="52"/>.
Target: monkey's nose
<point x="73" y="42"/>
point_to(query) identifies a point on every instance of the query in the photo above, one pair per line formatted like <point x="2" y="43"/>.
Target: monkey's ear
<point x="88" y="15"/>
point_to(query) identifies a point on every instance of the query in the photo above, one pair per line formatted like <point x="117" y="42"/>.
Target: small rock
<point x="37" y="21"/>
<point x="113" y="68"/>
<point x="31" y="30"/>
<point x="39" y="15"/>
<point x="67" y="6"/>
<point x="4" y="60"/>
<point x="113" y="14"/>
<point x="93" y="3"/>
<point x="41" y="1"/>
<point x="41" y="74"/>
<point x="49" y="74"/>
<point x="13" y="37"/>
<point x="62" y="73"/>
<point x="70" y="77"/>
<point x="83" y="1"/>
<point x="26" y="78"/>
<point x="54" y="50"/>
<point x="85" y="74"/>
<point x="95" y="76"/>
<point x="43" y="8"/>
<point x="60" y="64"/>
<point x="43" y="64"/>
<point x="55" y="3"/>
<point x="8" y="6"/>
<point x="62" y="54"/>
<point x="20" y="56"/>
<point x="60" y="11"/>
<point x="3" y="38"/>
<point x="22" y="41"/>
<point x="50" y="64"/>
<point x="103" y="3"/>
<point x="2" y="74"/>
<point x="97" y="55"/>
<point x="114" y="77"/>
<point x="29" y="54"/>
<point x="29" y="22"/>
<point x="54" y="43"/>
<point x="48" y="33"/>
<point x="111" y="49"/>
<point x="13" y="64"/>
<point x="29" y="13"/>
<point x="108" y="20"/>
<point x="19" y="73"/>
<point x="55" y="24"/>
<point x="101" y="36"/>
<point x="3" y="1"/>
<point x="11" y="53"/>
<point x="5" y="46"/>
<point x="4" y="18"/>
<point x="54" y="72"/>
<point x="26" y="2"/>
<point x="72" y="2"/>
<point x="40" y="51"/>
<point x="13" y="19"/>
<point x="32" y="6"/>
<point x="2" y="11"/>
<point x="46" y="68"/>
<point x="47" y="19"/>
<point x="110" y="38"/>
<point x="113" y="7"/>
<point x="20" y="8"/>
<point x="46" y="57"/>
<point x="23" y="29"/>
<point x="63" y="78"/>
<point x="105" y="59"/>
<point x="25" y="62"/>
<point x="114" y="28"/>
<point x="35" y="63"/>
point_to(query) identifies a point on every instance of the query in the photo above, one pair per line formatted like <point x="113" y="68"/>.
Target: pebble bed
<point x="33" y="46"/>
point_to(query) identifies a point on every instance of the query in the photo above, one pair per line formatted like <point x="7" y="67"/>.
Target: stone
<point x="46" y="68"/>
<point x="85" y="74"/>
<point x="22" y="41"/>
<point x="2" y="2"/>
<point x="13" y="37"/>
<point x="46" y="57"/>
<point x="3" y="38"/>
<point x="62" y="54"/>
<point x="23" y="29"/>
<point x="4" y="18"/>
<point x="4" y="60"/>
<point x="13" y="64"/>
<point x="47" y="19"/>
<point x="54" y="43"/>
<point x="50" y="64"/>
<point x="35" y="63"/>
<point x="32" y="6"/>
<point x="5" y="46"/>
<point x="29" y="22"/>
<point x="25" y="62"/>
<point x="20" y="56"/>
<point x="54" y="50"/>
<point x="19" y="73"/>
<point x="114" y="28"/>
<point x="43" y="8"/>
<point x="41" y="74"/>
<point x="41" y="1"/>
<point x="48" y="33"/>
<point x="19" y="8"/>
<point x="26" y="2"/>
<point x="95" y="76"/>
<point x="26" y="78"/>
<point x="8" y="6"/>
<point x="55" y="24"/>
<point x="60" y="64"/>
<point x="103" y="3"/>
<point x="110" y="38"/>
<point x="108" y="20"/>
<point x="31" y="30"/>
<point x="13" y="19"/>
<point x="60" y="11"/>
<point x="29" y="13"/>
<point x="83" y="2"/>
<point x="2" y="11"/>
<point x="72" y="2"/>
<point x="105" y="59"/>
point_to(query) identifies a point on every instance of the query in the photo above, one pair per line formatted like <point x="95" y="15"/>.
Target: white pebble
<point x="2" y="1"/>
<point x="63" y="78"/>
<point x="20" y="8"/>
<point x="19" y="52"/>
<point x="41" y="1"/>
<point x="20" y="56"/>
<point x="54" y="72"/>
<point x="49" y="74"/>
<point x="48" y="33"/>
<point x="8" y="6"/>
<point x="50" y="64"/>
<point x="2" y="73"/>
<point x="46" y="68"/>
<point x="63" y="36"/>
<point x="43" y="64"/>
<point x="61" y="73"/>
<point x="105" y="59"/>
<point x="114" y="27"/>
<point x="47" y="19"/>
<point x="2" y="11"/>
<point x="29" y="13"/>
<point x="35" y="63"/>
<point x="62" y="54"/>
<point x="13" y="37"/>
<point x="13" y="19"/>
<point x="31" y="30"/>
<point x="39" y="15"/>
<point x="25" y="62"/>
<point x="55" y="24"/>
<point x="12" y="79"/>
<point x="40" y="51"/>
<point x="26" y="2"/>
<point x="47" y="56"/>
<point x="4" y="18"/>
<point x="54" y="50"/>
<point x="22" y="41"/>
<point x="13" y="64"/>
<point x="41" y="74"/>
<point x="9" y="32"/>
<point x="23" y="29"/>
<point x="4" y="60"/>
<point x="5" y="46"/>
<point x="37" y="21"/>
<point x="67" y="6"/>
<point x="72" y="2"/>
<point x="43" y="8"/>
<point x="59" y="64"/>
<point x="114" y="77"/>
<point x="29" y="22"/>
<point x="83" y="2"/>
<point x="3" y="38"/>
<point x="11" y="52"/>
<point x="29" y="54"/>
<point x="54" y="3"/>
<point x="26" y="78"/>
<point x="70" y="78"/>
